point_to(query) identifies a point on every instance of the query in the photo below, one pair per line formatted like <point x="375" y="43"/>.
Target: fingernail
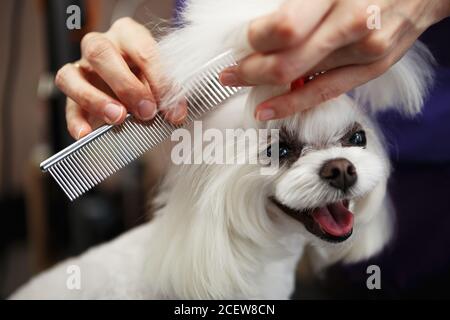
<point x="178" y="113"/>
<point x="265" y="114"/>
<point x="80" y="132"/>
<point x="146" y="109"/>
<point x="229" y="78"/>
<point x="113" y="112"/>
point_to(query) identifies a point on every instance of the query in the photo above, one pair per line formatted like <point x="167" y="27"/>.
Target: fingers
<point x="77" y="124"/>
<point x="109" y="64"/>
<point x="338" y="29"/>
<point x="340" y="80"/>
<point x="375" y="46"/>
<point x="119" y="72"/>
<point x="140" y="47"/>
<point x="177" y="113"/>
<point x="289" y="26"/>
<point x="348" y="55"/>
<point x="136" y="40"/>
<point x="323" y="88"/>
<point x="71" y="81"/>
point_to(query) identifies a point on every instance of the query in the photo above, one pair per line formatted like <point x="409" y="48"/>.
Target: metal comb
<point x="90" y="160"/>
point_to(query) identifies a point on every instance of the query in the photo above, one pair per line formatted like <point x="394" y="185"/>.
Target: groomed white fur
<point x="216" y="234"/>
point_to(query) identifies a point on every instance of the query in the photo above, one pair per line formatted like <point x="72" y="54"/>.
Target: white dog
<point x="227" y="231"/>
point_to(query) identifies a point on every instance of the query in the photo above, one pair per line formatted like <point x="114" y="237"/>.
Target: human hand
<point x="117" y="73"/>
<point x="304" y="37"/>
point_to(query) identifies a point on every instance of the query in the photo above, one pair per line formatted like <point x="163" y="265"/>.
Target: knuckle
<point x="122" y="23"/>
<point x="61" y="76"/>
<point x="94" y="46"/>
<point x="339" y="37"/>
<point x="88" y="38"/>
<point x="330" y="42"/>
<point x="326" y="93"/>
<point x="281" y="72"/>
<point x="145" y="55"/>
<point x="353" y="26"/>
<point x="376" y="46"/>
<point x="357" y="24"/>
<point x="286" y="27"/>
<point x="358" y="15"/>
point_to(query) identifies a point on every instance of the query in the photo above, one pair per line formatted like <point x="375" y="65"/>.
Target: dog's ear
<point x="403" y="87"/>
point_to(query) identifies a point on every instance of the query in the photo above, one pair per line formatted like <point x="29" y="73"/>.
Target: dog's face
<point x="330" y="158"/>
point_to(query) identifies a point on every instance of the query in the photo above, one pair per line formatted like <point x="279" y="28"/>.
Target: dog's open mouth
<point x="333" y="222"/>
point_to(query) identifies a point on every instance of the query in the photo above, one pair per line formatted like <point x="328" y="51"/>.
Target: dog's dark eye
<point x="283" y="151"/>
<point x="358" y="139"/>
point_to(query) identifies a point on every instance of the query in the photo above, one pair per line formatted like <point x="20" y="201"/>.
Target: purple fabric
<point x="426" y="137"/>
<point x="179" y="6"/>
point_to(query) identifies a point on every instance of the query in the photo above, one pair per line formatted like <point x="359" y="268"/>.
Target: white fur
<point x="404" y="86"/>
<point x="216" y="235"/>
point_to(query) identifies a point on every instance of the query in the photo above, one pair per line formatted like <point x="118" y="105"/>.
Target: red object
<point x="297" y="84"/>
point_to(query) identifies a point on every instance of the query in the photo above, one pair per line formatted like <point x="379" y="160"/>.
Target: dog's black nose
<point x="340" y="173"/>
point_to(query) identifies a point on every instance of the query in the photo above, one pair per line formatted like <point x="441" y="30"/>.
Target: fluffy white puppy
<point x="228" y="231"/>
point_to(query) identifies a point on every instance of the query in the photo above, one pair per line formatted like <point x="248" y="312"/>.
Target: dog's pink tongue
<point x="334" y="219"/>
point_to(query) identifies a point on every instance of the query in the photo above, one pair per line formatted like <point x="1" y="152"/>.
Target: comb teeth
<point x="92" y="159"/>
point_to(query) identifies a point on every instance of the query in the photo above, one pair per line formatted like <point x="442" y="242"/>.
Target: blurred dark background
<point x="39" y="226"/>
